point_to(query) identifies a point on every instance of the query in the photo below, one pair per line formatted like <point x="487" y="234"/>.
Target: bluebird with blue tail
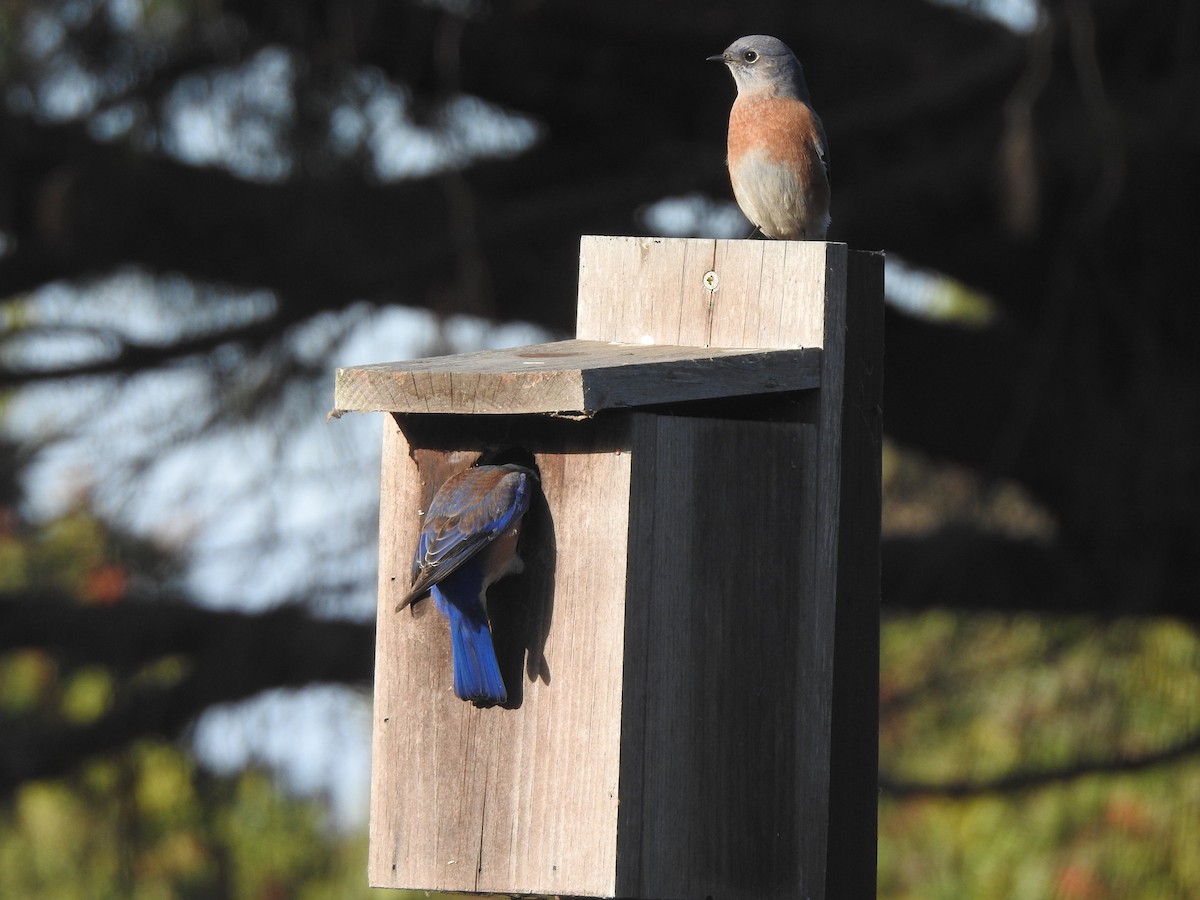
<point x="468" y="541"/>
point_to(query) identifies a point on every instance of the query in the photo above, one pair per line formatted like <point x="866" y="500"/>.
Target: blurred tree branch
<point x="1083" y="389"/>
<point x="225" y="656"/>
<point x="1022" y="781"/>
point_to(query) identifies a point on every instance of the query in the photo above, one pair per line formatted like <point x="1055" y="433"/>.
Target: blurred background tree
<point x="205" y="207"/>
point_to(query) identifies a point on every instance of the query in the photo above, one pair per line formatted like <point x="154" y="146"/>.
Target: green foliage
<point x="147" y="823"/>
<point x="14" y="562"/>
<point x="27" y="678"/>
<point x="989" y="701"/>
<point x="87" y="694"/>
<point x="144" y="822"/>
<point x="79" y="554"/>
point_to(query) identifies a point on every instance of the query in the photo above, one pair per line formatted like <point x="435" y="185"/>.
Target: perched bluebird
<point x="778" y="159"/>
<point x="468" y="541"/>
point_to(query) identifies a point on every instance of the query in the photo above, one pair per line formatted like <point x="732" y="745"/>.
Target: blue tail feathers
<point x="476" y="670"/>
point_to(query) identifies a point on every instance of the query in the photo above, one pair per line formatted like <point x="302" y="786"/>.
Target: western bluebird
<point x="778" y="160"/>
<point x="468" y="541"/>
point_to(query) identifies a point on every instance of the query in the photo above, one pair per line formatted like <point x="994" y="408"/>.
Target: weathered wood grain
<point x="468" y="799"/>
<point x="768" y="293"/>
<point x="723" y="772"/>
<point x="854" y="483"/>
<point x="692" y="651"/>
<point x="570" y="377"/>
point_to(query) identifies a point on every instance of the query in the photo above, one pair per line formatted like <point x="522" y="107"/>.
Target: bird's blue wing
<point x="468" y="511"/>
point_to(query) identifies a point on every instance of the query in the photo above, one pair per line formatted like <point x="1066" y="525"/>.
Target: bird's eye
<point x="750" y="56"/>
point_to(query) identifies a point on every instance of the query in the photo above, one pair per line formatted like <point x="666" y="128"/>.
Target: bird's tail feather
<point x="476" y="671"/>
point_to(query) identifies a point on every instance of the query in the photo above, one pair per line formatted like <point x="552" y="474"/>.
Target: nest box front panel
<point x="521" y="797"/>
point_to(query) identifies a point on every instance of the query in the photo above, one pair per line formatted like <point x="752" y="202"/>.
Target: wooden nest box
<point x="691" y="653"/>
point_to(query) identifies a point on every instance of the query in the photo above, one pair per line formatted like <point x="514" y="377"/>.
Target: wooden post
<point x="692" y="651"/>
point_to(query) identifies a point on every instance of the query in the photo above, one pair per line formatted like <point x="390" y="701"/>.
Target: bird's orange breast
<point x="784" y="129"/>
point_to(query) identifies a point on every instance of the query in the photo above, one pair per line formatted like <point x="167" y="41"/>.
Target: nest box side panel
<point x="724" y="782"/>
<point x="852" y="417"/>
<point x="506" y="800"/>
